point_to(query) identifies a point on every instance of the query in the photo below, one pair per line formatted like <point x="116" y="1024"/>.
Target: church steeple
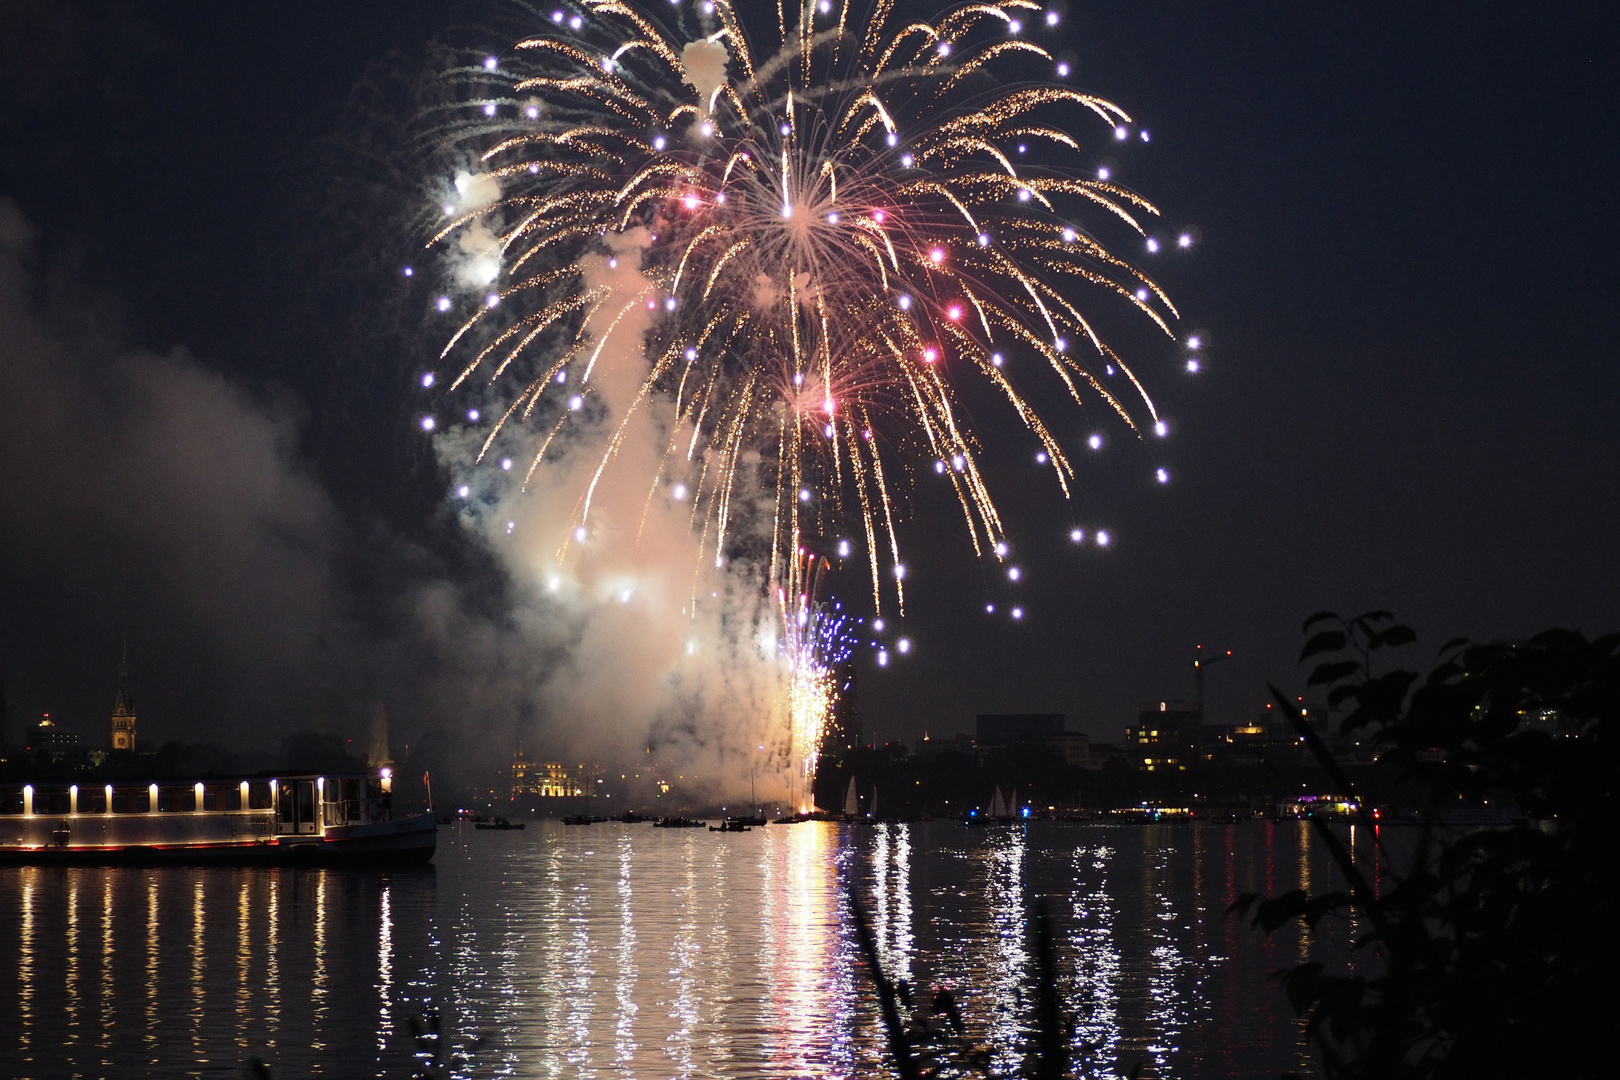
<point x="123" y="714"/>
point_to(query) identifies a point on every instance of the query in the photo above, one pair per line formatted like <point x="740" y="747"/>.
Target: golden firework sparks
<point x="840" y="238"/>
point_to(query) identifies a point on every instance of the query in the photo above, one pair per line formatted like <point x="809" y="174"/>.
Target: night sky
<point x="1406" y="276"/>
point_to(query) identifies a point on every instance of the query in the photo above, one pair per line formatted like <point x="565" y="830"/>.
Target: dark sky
<point x="1406" y="275"/>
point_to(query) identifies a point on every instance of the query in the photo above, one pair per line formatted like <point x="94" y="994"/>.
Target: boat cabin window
<point x="342" y="798"/>
<point x="258" y="795"/>
<point x="92" y="800"/>
<point x="11" y="800"/>
<point x="131" y="800"/>
<point x="52" y="801"/>
<point x="222" y="797"/>
<point x="177" y="800"/>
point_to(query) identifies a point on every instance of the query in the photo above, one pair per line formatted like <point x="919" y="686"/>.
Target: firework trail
<point x="835" y="239"/>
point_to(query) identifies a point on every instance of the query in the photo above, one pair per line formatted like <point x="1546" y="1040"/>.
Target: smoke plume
<point x="657" y="660"/>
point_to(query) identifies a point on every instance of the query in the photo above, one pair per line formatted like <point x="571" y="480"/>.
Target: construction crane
<point x="1201" y="661"/>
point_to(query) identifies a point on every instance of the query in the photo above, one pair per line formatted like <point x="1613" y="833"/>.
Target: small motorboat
<point x="732" y="825"/>
<point x="678" y="823"/>
<point x="500" y="824"/>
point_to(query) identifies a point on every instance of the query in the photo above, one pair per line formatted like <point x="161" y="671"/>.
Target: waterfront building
<point x="546" y="779"/>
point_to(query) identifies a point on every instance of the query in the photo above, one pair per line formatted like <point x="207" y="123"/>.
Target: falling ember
<point x="767" y="305"/>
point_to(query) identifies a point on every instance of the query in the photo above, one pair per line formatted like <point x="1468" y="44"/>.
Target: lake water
<point x="628" y="951"/>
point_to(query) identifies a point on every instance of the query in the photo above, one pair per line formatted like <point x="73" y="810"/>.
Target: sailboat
<point x="998" y="807"/>
<point x="852" y="802"/>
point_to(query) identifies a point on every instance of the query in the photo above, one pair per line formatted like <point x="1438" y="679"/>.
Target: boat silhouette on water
<point x="678" y="823"/>
<point x="302" y="818"/>
<point x="500" y="824"/>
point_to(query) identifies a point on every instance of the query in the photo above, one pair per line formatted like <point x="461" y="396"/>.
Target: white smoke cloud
<point x="655" y="649"/>
<point x="150" y="496"/>
<point x="130" y="462"/>
<point x="477" y="191"/>
<point x="477" y="256"/>
<point x="703" y="65"/>
<point x="151" y="477"/>
<point x="475" y="260"/>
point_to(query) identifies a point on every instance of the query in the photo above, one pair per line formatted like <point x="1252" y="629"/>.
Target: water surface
<point x="627" y="951"/>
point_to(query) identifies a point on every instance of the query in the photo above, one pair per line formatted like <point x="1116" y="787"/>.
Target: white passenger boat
<point x="331" y="819"/>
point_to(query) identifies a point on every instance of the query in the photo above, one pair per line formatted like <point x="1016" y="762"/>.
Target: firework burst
<point x="835" y="239"/>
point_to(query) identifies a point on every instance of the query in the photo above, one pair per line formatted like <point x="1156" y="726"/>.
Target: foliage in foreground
<point x="1493" y="946"/>
<point x="932" y="1042"/>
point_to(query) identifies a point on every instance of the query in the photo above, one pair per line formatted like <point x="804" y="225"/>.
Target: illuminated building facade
<point x="547" y="779"/>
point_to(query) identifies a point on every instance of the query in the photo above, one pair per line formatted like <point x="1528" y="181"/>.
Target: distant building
<point x="1001" y="731"/>
<point x="999" y="734"/>
<point x="929" y="747"/>
<point x="547" y="779"/>
<point x="123" y="714"/>
<point x="1073" y="747"/>
<point x="53" y="739"/>
<point x="1103" y="754"/>
<point x="525" y="775"/>
<point x="1266" y="739"/>
<point x="1166" y="736"/>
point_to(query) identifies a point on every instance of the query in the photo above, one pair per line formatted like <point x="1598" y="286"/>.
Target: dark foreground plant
<point x="1493" y="947"/>
<point x="933" y="1043"/>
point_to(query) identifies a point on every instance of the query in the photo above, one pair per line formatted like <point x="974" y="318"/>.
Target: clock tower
<point x="123" y="715"/>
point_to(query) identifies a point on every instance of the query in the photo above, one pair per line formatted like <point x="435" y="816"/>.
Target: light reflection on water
<point x="625" y="951"/>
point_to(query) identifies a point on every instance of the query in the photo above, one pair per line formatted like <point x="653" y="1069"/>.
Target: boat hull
<point x="408" y="840"/>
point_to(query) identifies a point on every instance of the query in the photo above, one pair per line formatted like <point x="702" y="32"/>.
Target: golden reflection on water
<point x="272" y="961"/>
<point x="198" y="962"/>
<point x="318" y="987"/>
<point x="624" y="1042"/>
<point x="108" y="1012"/>
<point x="150" y="1036"/>
<point x="70" y="978"/>
<point x="25" y="960"/>
<point x="805" y="972"/>
<point x="385" y="969"/>
<point x="684" y="955"/>
<point x="244" y="957"/>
